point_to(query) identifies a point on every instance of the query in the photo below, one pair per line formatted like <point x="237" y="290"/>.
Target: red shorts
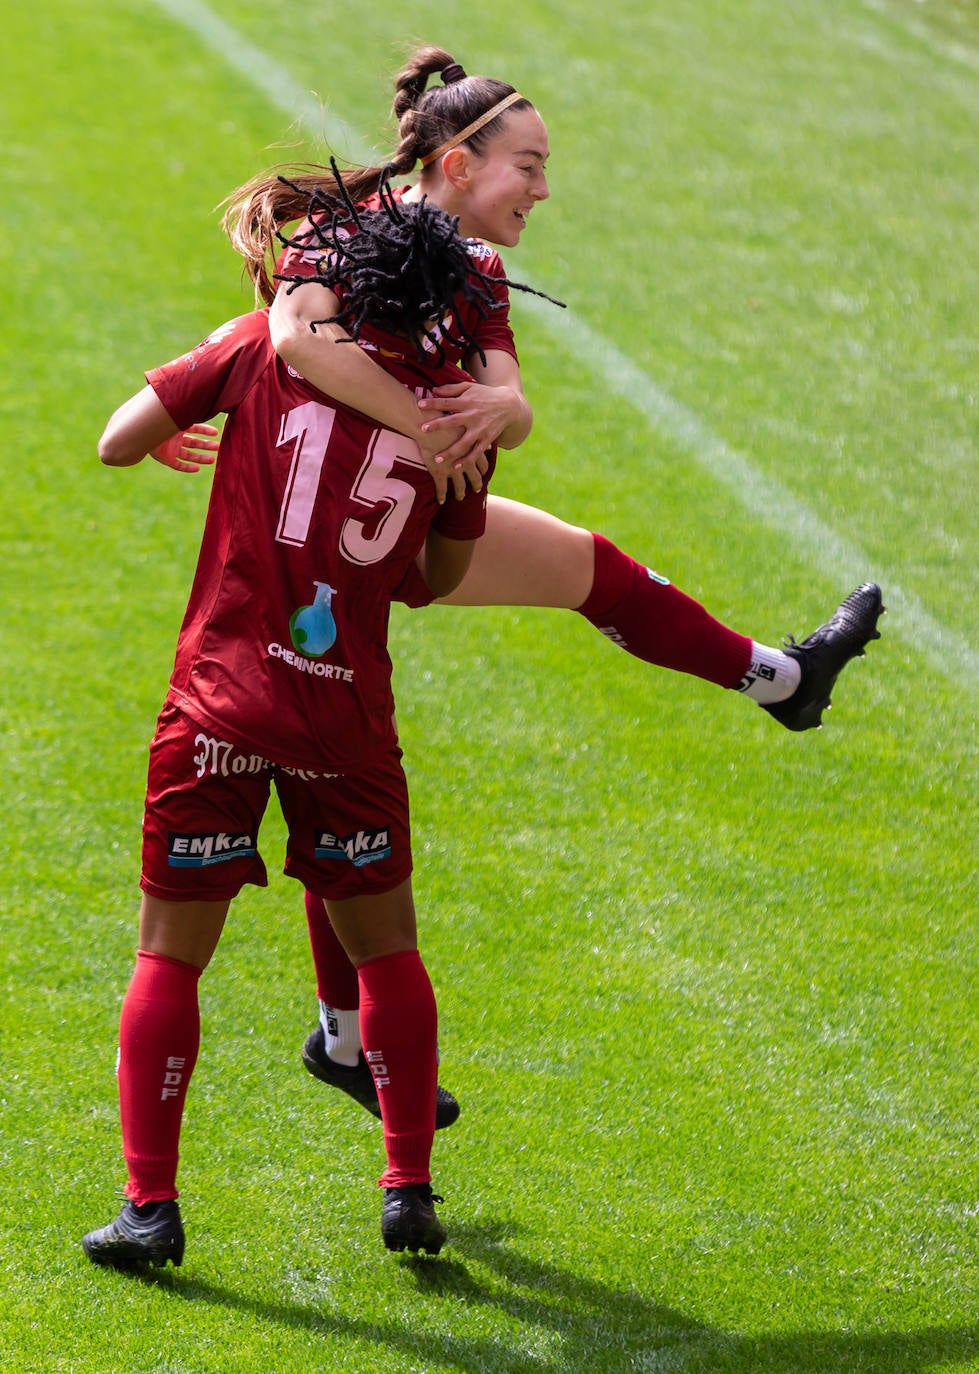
<point x="349" y="834"/>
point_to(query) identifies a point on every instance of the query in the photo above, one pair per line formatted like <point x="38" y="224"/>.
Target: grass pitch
<point x="707" y="990"/>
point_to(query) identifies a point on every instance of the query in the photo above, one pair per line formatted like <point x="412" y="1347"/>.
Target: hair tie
<point x="470" y="129"/>
<point x="452" y="73"/>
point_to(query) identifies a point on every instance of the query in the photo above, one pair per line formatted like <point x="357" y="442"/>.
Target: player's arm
<point x="339" y="369"/>
<point x="492" y="408"/>
<point x="444" y="562"/>
<point x="142" y="426"/>
<point x="349" y="375"/>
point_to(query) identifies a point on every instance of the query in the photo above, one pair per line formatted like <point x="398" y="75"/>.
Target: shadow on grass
<point x="570" y="1324"/>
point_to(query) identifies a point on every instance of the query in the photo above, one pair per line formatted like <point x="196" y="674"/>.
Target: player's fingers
<point x="448" y="416"/>
<point x="469" y="470"/>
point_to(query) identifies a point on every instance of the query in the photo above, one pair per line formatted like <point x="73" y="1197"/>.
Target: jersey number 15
<point x="309" y="427"/>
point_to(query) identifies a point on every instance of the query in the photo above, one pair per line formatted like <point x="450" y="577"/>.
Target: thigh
<point x="188" y="931"/>
<point x="375" y="924"/>
<point x="349" y="834"/>
<point x="526" y="557"/>
<point x="204" y="805"/>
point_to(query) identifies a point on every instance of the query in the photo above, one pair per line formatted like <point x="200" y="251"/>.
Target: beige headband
<point x="470" y="129"/>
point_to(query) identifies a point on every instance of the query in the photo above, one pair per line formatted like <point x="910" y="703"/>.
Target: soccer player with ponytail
<point x="480" y="150"/>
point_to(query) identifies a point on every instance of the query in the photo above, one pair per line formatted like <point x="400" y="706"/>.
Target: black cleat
<point x="138" y="1237"/>
<point x="824" y="655"/>
<point x="358" y="1081"/>
<point x="408" y="1220"/>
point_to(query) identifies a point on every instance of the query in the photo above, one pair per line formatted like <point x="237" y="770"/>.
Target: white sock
<point x="772" y="675"/>
<point x="341" y="1034"/>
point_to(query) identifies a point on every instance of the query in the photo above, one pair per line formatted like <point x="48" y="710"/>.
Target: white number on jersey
<point x="310" y="427"/>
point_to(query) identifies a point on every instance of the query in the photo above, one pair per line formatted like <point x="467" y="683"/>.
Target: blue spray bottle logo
<point x="313" y="628"/>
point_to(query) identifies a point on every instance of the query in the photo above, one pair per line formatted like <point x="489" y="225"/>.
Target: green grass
<point x="707" y="990"/>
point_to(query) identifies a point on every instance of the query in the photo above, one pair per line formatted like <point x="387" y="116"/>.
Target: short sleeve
<point x="491" y="330"/>
<point x="215" y="376"/>
<point x="301" y="254"/>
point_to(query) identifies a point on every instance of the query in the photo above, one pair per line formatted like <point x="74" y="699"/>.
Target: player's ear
<point x="457" y="168"/>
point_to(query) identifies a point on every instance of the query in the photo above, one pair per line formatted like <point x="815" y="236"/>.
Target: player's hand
<point x="455" y="473"/>
<point x="462" y="420"/>
<point x="189" y="450"/>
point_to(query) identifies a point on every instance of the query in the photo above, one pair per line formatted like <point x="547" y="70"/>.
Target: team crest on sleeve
<point x="193" y="359"/>
<point x="222" y="331"/>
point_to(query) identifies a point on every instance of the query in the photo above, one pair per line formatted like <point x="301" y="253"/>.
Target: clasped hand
<point x="463" y="421"/>
<point x="466" y="421"/>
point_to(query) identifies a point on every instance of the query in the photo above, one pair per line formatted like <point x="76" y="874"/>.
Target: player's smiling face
<point x="504" y="182"/>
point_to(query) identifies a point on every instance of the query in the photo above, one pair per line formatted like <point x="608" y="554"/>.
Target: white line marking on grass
<point x="764" y="498"/>
<point x="927" y="37"/>
<point x="283" y="92"/>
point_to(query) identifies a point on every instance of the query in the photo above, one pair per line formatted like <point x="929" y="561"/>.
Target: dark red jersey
<point x="314" y="518"/>
<point x="491" y="331"/>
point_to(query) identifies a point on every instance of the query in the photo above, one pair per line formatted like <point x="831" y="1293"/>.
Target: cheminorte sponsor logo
<point x="361" y="848"/>
<point x="309" y="665"/>
<point x="200" y="851"/>
<point x="313" y="632"/>
<point x="312" y="628"/>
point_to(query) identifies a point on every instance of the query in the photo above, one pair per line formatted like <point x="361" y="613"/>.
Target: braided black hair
<point x="401" y="267"/>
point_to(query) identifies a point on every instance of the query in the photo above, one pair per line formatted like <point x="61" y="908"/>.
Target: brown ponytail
<point x="256" y="212"/>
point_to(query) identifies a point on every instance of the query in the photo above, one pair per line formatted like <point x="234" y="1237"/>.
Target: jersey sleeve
<point x="492" y="332"/>
<point x="300" y="256"/>
<point x="218" y="373"/>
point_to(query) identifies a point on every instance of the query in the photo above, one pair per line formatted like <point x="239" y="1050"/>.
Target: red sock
<point x="336" y="978"/>
<point x="399" y="1030"/>
<point x="159" y="1036"/>
<point x="653" y="620"/>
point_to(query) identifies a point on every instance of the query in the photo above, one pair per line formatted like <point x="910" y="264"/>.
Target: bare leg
<point x="372" y="926"/>
<point x="526" y="558"/>
<point x="188" y="931"/>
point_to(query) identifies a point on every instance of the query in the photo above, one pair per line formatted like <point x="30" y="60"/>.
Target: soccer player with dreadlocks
<point x="282" y="678"/>
<point x="482" y="149"/>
